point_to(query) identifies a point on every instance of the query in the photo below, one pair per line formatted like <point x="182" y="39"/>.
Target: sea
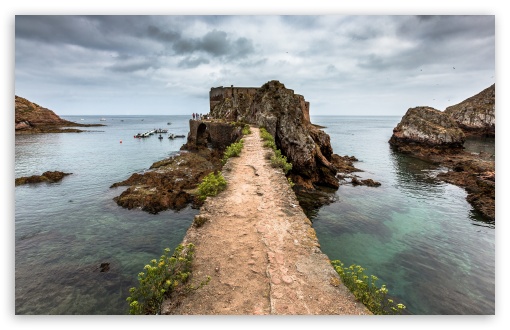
<point x="419" y="236"/>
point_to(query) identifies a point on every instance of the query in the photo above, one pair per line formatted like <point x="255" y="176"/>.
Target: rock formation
<point x="476" y="115"/>
<point x="32" y="118"/>
<point x="170" y="183"/>
<point x="285" y="115"/>
<point x="438" y="137"/>
<point x="48" y="176"/>
<point x="428" y="127"/>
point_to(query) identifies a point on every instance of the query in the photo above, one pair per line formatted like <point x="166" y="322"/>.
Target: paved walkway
<point x="260" y="249"/>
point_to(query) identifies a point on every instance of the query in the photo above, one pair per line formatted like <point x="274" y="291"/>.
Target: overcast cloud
<point x="343" y="65"/>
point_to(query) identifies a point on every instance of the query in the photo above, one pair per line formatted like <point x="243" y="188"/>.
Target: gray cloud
<point x="329" y="59"/>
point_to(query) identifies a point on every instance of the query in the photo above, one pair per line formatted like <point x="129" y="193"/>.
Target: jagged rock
<point x="427" y="127"/>
<point x="32" y="118"/>
<point x="476" y="115"/>
<point x="285" y="115"/>
<point x="169" y="183"/>
<point x="48" y="176"/>
<point x="367" y="182"/>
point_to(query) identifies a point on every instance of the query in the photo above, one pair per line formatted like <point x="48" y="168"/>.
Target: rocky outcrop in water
<point x="285" y="115"/>
<point x="170" y="183"/>
<point x="31" y="118"/>
<point x="435" y="136"/>
<point x="476" y="115"/>
<point x="48" y="176"/>
<point x="427" y="127"/>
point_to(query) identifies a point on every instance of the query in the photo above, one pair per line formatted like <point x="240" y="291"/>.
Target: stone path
<point x="260" y="249"/>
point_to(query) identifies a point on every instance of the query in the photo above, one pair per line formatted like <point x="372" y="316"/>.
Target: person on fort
<point x="193" y="116"/>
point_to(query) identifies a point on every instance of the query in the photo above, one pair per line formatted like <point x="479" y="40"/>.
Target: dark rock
<point x="48" y="176"/>
<point x="367" y="182"/>
<point x="170" y="183"/>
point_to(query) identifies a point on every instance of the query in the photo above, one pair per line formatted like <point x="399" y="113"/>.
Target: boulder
<point x="476" y="115"/>
<point x="428" y="127"/>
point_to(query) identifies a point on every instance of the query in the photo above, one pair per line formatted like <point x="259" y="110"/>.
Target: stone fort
<point x="218" y="94"/>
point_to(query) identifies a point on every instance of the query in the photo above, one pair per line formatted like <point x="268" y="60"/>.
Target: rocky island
<point x="171" y="183"/>
<point x="31" y="118"/>
<point x="438" y="137"/>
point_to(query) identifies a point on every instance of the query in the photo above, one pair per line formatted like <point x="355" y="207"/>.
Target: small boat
<point x="169" y="123"/>
<point x="161" y="131"/>
<point x="102" y="119"/>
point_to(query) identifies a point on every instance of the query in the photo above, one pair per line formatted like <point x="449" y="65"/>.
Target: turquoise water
<point x="419" y="236"/>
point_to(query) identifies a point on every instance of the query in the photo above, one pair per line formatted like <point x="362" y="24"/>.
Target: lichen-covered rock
<point x="476" y="114"/>
<point x="285" y="115"/>
<point x="428" y="127"/>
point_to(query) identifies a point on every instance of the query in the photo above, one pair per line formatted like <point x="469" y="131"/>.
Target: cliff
<point x="476" y="115"/>
<point x="32" y="118"/>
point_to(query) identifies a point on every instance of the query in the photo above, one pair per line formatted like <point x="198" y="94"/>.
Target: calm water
<point x="419" y="236"/>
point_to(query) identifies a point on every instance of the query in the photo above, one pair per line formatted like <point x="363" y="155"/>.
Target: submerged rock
<point x="48" y="176"/>
<point x="476" y="115"/>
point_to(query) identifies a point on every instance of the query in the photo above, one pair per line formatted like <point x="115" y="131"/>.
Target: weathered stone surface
<point x="31" y="118"/>
<point x="476" y="115"/>
<point x="214" y="133"/>
<point x="170" y="183"/>
<point x="428" y="127"/>
<point x="48" y="176"/>
<point x="285" y="115"/>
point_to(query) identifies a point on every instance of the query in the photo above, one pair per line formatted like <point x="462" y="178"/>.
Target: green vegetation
<point x="290" y="182"/>
<point x="162" y="278"/>
<point x="211" y="185"/>
<point x="277" y="160"/>
<point x="246" y="130"/>
<point x="365" y="289"/>
<point x="233" y="150"/>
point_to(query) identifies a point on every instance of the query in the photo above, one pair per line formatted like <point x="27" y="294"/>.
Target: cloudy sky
<point x="342" y="64"/>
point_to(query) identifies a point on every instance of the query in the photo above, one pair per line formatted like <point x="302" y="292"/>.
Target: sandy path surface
<point x="260" y="249"/>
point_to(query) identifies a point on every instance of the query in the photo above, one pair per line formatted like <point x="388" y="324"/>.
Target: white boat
<point x="102" y="119"/>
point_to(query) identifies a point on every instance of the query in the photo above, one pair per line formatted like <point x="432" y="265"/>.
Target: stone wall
<point x="212" y="133"/>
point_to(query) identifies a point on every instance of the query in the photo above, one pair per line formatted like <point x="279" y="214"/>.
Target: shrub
<point x="279" y="160"/>
<point x="365" y="289"/>
<point x="246" y="130"/>
<point x="212" y="184"/>
<point x="160" y="279"/>
<point x="233" y="150"/>
<point x="265" y="135"/>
